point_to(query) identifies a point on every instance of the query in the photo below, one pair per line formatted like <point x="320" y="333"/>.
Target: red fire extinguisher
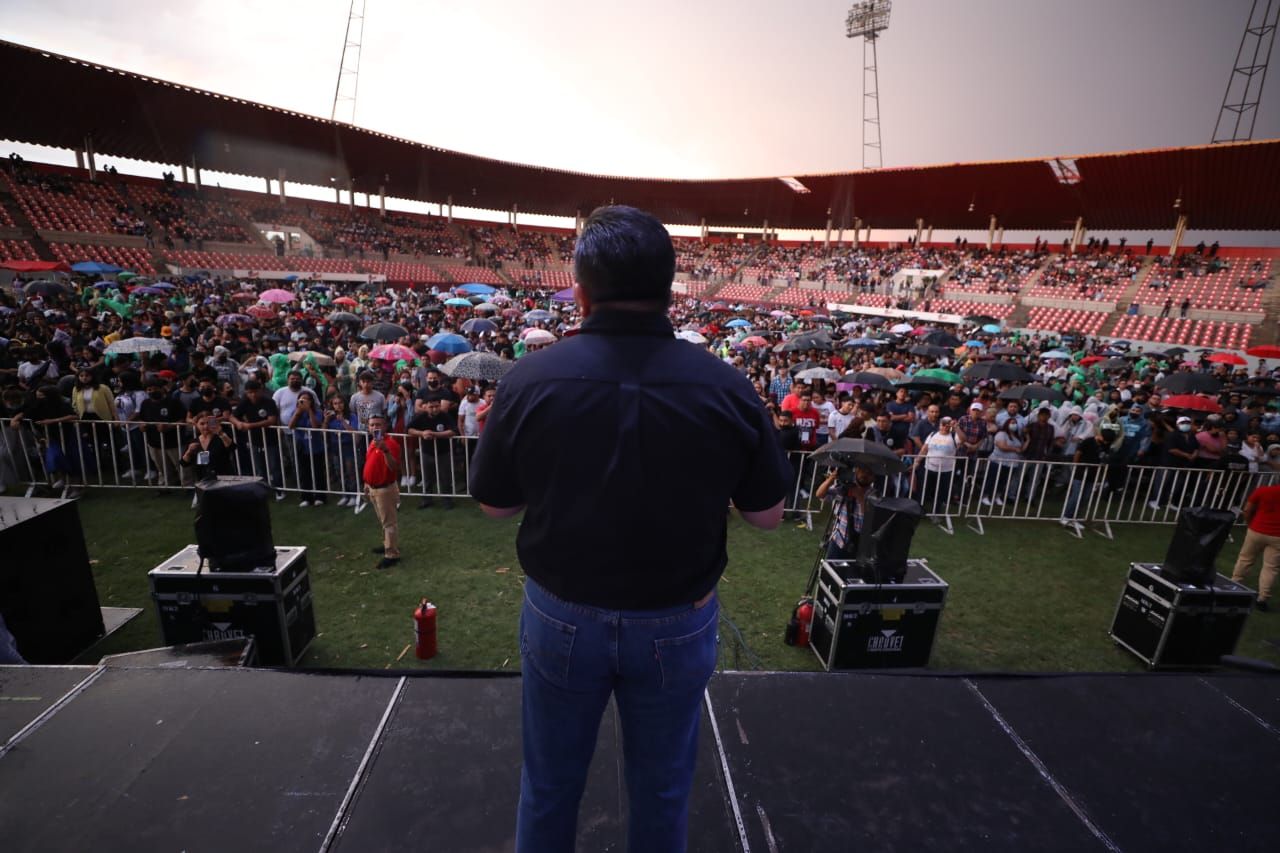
<point x="424" y="630"/>
<point x="804" y="615"/>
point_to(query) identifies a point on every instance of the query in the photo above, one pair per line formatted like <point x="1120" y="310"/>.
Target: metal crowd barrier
<point x="323" y="464"/>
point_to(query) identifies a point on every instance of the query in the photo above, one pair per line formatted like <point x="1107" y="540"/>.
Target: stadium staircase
<point x="1128" y="296"/>
<point x="23" y="223"/>
<point x="256" y="238"/>
<point x="1022" y="313"/>
<point x="1268" y="331"/>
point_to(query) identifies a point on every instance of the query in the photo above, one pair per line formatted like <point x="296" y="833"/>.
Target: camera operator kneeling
<point x="848" y="489"/>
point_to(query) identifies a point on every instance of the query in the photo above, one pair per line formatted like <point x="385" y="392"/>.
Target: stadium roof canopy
<point x="61" y="101"/>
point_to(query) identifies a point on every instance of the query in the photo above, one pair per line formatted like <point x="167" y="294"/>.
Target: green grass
<point x="1027" y="596"/>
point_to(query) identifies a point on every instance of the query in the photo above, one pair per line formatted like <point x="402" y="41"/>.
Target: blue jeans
<point x="656" y="663"/>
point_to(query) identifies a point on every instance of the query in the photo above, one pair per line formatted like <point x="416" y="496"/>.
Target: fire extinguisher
<point x="801" y="621"/>
<point x="424" y="630"/>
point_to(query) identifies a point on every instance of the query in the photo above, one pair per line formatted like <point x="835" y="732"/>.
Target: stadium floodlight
<point x="868" y="18"/>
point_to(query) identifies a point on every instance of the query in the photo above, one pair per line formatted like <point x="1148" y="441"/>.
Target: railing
<point x="317" y="464"/>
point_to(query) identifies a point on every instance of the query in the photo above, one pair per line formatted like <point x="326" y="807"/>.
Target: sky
<point x="677" y="88"/>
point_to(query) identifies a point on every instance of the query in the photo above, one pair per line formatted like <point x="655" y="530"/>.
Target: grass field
<point x="1024" y="597"/>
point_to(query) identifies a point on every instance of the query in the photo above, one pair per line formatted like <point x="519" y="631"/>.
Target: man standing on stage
<point x="621" y="547"/>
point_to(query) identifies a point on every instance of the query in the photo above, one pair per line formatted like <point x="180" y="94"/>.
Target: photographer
<point x="848" y="489"/>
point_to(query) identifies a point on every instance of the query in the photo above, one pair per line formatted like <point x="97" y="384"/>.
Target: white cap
<point x="975" y="405"/>
<point x="1184" y="420"/>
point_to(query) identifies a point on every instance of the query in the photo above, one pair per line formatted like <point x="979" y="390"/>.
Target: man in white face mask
<point x="1180" y="451"/>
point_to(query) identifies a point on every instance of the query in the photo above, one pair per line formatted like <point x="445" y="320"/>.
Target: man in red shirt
<point x="382" y="463"/>
<point x="1262" y="514"/>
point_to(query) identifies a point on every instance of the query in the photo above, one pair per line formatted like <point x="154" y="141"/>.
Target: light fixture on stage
<point x="1197" y="540"/>
<point x="888" y="524"/>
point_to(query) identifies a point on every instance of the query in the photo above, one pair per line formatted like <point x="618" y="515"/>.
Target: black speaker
<point x="1197" y="540"/>
<point x="233" y="524"/>
<point x="888" y="524"/>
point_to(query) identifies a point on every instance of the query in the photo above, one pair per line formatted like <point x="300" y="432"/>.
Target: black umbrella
<point x="1176" y="351"/>
<point x="1256" y="391"/>
<point x="927" y="350"/>
<point x="476" y="365"/>
<point x="874" y="380"/>
<point x="876" y="458"/>
<point x="1007" y="351"/>
<point x="1000" y="371"/>
<point x="982" y="319"/>
<point x="942" y="339"/>
<point x="875" y="321"/>
<point x="923" y="383"/>
<point x="1189" y="383"/>
<point x="345" y="317"/>
<point x="812" y="340"/>
<point x="803" y="365"/>
<point x="47" y="289"/>
<point x="1033" y="392"/>
<point x="384" y="332"/>
<point x="1113" y="364"/>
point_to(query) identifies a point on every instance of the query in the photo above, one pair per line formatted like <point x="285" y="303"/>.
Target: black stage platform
<point x="170" y="758"/>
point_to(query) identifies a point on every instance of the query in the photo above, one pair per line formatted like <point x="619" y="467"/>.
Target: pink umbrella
<point x="537" y="337"/>
<point x="261" y="312"/>
<point x="275" y="294"/>
<point x="752" y="341"/>
<point x="392" y="352"/>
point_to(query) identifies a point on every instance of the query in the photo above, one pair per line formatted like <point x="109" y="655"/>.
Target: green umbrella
<point x="126" y="275"/>
<point x="937" y="373"/>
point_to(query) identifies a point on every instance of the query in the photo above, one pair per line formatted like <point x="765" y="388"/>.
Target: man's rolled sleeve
<point x="493" y="468"/>
<point x="764" y="482"/>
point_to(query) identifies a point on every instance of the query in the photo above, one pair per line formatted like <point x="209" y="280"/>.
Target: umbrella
<point x="479" y="326"/>
<point x="998" y="370"/>
<point x="563" y="296"/>
<point x="48" y="289"/>
<point x="1113" y="364"/>
<point x="921" y="330"/>
<point x="991" y="328"/>
<point x="477" y="299"/>
<point x="275" y="294"/>
<point x="776" y="314"/>
<point x="826" y="374"/>
<point x="103" y="285"/>
<point x="931" y="351"/>
<point x="1227" y="358"/>
<point x="321" y="359"/>
<point x="942" y="339"/>
<point x="866" y="377"/>
<point x="925" y="384"/>
<point x="473" y="288"/>
<point x="231" y="319"/>
<point x="720" y="308"/>
<point x="457" y="302"/>
<point x="538" y="337"/>
<point x="738" y="323"/>
<point x="1033" y="392"/>
<point x="538" y="315"/>
<point x="811" y="340"/>
<point x="345" y="300"/>
<point x="937" y="373"/>
<point x="901" y="328"/>
<point x="1014" y="351"/>
<point x="450" y="343"/>
<point x="887" y="372"/>
<point x="1186" y="382"/>
<point x="804" y="365"/>
<point x="1091" y="359"/>
<point x="1173" y="352"/>
<point x="261" y="312"/>
<point x="135" y="345"/>
<point x="148" y="290"/>
<point x="691" y="336"/>
<point x="499" y="298"/>
<point x="95" y="268"/>
<point x="1192" y="403"/>
<point x="849" y="327"/>
<point x="164" y="285"/>
<point x="510" y="313"/>
<point x="126" y="274"/>
<point x="476" y="365"/>
<point x="384" y="332"/>
<point x="344" y="317"/>
<point x="487" y="308"/>
<point x="1256" y="391"/>
<point x="1054" y="353"/>
<point x="983" y="320"/>
<point x="245" y="296"/>
<point x="754" y="341"/>
<point x="876" y="321"/>
<point x="393" y="352"/>
<point x="975" y="344"/>
<point x="875" y="457"/>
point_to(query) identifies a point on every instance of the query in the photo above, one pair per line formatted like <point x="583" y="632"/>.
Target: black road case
<point x="861" y="625"/>
<point x="1167" y="624"/>
<point x="273" y="607"/>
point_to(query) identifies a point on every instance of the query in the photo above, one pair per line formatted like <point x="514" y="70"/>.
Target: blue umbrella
<point x="291" y="278"/>
<point x="975" y="344"/>
<point x="538" y="315"/>
<point x="103" y="285"/>
<point x="163" y="285"/>
<point x="458" y="302"/>
<point x="864" y="342"/>
<point x="95" y="267"/>
<point x="738" y="324"/>
<point x="148" y="290"/>
<point x="565" y="295"/>
<point x="475" y="288"/>
<point x="446" y="342"/>
<point x="992" y="328"/>
<point x="479" y="326"/>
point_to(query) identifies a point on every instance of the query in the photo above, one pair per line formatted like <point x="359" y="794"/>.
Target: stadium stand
<point x="965" y="308"/>
<point x="1063" y="319"/>
<point x="743" y="293"/>
<point x="17" y="250"/>
<point x="400" y="271"/>
<point x="190" y="259"/>
<point x="184" y="216"/>
<point x="1099" y="278"/>
<point x="55" y="201"/>
<point x="1212" y="284"/>
<point x="548" y="279"/>
<point x="130" y="257"/>
<point x="1196" y="333"/>
<point x="481" y="275"/>
<point x="983" y="271"/>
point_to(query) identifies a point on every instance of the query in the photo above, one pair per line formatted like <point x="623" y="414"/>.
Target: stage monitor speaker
<point x="888" y="524"/>
<point x="1197" y="540"/>
<point x="233" y="524"/>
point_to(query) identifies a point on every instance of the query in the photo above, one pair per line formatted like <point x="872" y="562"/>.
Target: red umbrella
<point x="1091" y="359"/>
<point x="804" y="312"/>
<point x="392" y="352"/>
<point x="251" y="297"/>
<point x="261" y="312"/>
<point x="382" y="300"/>
<point x="1192" y="402"/>
<point x="721" y="308"/>
<point x="345" y="300"/>
<point x="754" y="341"/>
<point x="1264" y="351"/>
<point x="1227" y="358"/>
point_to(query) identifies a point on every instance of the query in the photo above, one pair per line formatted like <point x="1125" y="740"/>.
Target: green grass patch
<point x="1027" y="596"/>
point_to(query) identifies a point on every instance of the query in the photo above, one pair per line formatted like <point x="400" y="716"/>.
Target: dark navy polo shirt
<point x="626" y="445"/>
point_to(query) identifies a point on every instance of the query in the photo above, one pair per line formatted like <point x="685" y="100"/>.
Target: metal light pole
<point x="349" y="67"/>
<point x="868" y="19"/>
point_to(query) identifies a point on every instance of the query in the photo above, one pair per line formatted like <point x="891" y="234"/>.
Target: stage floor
<point x="168" y="758"/>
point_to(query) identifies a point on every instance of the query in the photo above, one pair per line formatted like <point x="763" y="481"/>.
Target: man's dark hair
<point x="625" y="255"/>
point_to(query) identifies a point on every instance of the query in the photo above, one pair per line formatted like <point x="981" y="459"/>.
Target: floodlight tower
<point x="344" y="92"/>
<point x="1239" y="108"/>
<point x="868" y="19"/>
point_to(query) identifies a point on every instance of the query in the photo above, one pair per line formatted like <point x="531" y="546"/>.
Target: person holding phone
<point x="382" y="463"/>
<point x="213" y="451"/>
